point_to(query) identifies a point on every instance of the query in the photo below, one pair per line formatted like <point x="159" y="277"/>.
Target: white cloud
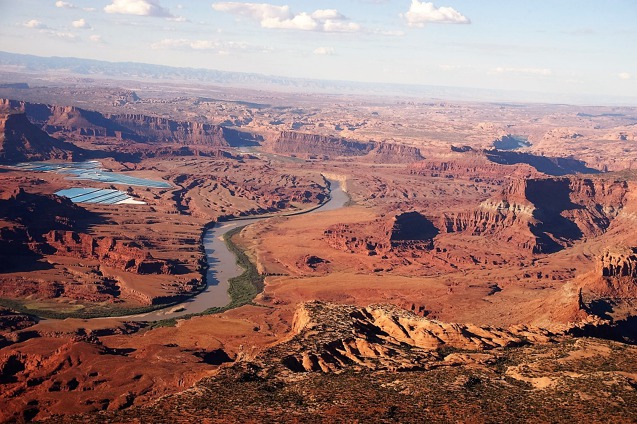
<point x="45" y="29"/>
<point x="421" y="13"/>
<point x="185" y="44"/>
<point x="68" y="36"/>
<point x="624" y="75"/>
<point x="81" y="23"/>
<point x="325" y="14"/>
<point x="34" y="23"/>
<point x="339" y="26"/>
<point x="389" y="33"/>
<point x="96" y="38"/>
<point x="450" y="67"/>
<point x="65" y="4"/>
<point x="302" y="21"/>
<point x="529" y="71"/>
<point x="258" y="11"/>
<point x="138" y="7"/>
<point x="179" y="19"/>
<point x="324" y="51"/>
<point x="281" y="17"/>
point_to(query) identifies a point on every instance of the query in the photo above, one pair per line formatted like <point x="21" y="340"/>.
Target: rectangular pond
<point x="93" y="171"/>
<point x="97" y="195"/>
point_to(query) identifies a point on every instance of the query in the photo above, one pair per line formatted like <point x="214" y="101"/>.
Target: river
<point x="222" y="264"/>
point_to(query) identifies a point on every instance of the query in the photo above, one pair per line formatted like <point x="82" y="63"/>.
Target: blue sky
<point x="566" y="46"/>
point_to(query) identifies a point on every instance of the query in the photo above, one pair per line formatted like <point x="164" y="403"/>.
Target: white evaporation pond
<point x="90" y="170"/>
<point x="98" y="195"/>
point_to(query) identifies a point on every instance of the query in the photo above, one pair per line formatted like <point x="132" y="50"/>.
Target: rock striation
<point x="163" y="130"/>
<point x="395" y="153"/>
<point x="122" y="254"/>
<point x="291" y="142"/>
<point x="70" y="120"/>
<point x="20" y="140"/>
<point x="29" y="232"/>
<point x="407" y="230"/>
<point x="619" y="262"/>
<point x="320" y="146"/>
<point x="556" y="166"/>
<point x="331" y="338"/>
<point x="543" y="215"/>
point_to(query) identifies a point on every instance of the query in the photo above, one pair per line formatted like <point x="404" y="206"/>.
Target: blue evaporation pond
<point x="91" y="170"/>
<point x="94" y="195"/>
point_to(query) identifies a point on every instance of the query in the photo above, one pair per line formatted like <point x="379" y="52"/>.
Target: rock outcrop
<point x="331" y="338"/>
<point x="511" y="142"/>
<point x="125" y="255"/>
<point x="320" y="146"/>
<point x="411" y="227"/>
<point x="162" y="130"/>
<point x="76" y="121"/>
<point x="408" y="230"/>
<point x="619" y="262"/>
<point x="395" y="153"/>
<point x="544" y="215"/>
<point x="467" y="163"/>
<point x="69" y="120"/>
<point x="28" y="231"/>
<point x="290" y="142"/>
<point x="556" y="166"/>
<point x="20" y="140"/>
<point x="613" y="282"/>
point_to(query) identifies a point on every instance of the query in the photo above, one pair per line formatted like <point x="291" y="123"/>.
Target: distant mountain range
<point x="133" y="70"/>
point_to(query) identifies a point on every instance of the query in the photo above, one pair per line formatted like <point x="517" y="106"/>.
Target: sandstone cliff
<point x="290" y="142"/>
<point x="162" y="130"/>
<point x="544" y="215"/>
<point x="556" y="166"/>
<point x="69" y="120"/>
<point x="408" y="230"/>
<point x="76" y="121"/>
<point x="614" y="280"/>
<point x="125" y="255"/>
<point x="20" y="140"/>
<point x="330" y="338"/>
<point x="318" y="146"/>
<point x="395" y="153"/>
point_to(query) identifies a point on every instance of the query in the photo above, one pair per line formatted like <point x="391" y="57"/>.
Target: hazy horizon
<point x="570" y="48"/>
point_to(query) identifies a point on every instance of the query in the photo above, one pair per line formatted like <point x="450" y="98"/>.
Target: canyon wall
<point x="544" y="215"/>
<point x="20" y="140"/>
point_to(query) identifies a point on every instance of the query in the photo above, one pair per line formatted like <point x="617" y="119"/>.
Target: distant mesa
<point x="303" y="144"/>
<point x="549" y="165"/>
<point x="70" y="120"/>
<point x="556" y="166"/>
<point x="395" y="153"/>
<point x="544" y="215"/>
<point x="511" y="142"/>
<point x="410" y="227"/>
<point x="461" y="149"/>
<point x="407" y="230"/>
<point x="290" y="142"/>
<point x="126" y="97"/>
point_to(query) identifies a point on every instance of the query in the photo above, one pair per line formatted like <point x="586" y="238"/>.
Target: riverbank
<point x="242" y="288"/>
<point x="231" y="279"/>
